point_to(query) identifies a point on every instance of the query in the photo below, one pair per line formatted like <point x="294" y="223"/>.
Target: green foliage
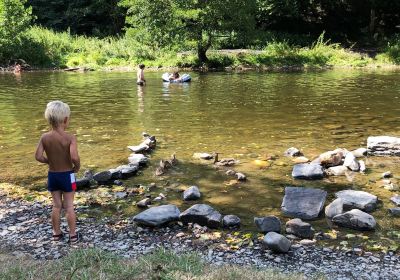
<point x="14" y="20"/>
<point x="391" y="52"/>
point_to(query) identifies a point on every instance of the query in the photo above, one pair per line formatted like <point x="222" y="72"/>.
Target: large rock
<point x="307" y="171"/>
<point x="202" y="214"/>
<point x="395" y="199"/>
<point x="102" y="177"/>
<point x="82" y="183"/>
<point x="351" y="162"/>
<point x="357" y="200"/>
<point x="158" y="216"/>
<point x="383" y="145"/>
<point x="268" y="224"/>
<point x="276" y="242"/>
<point x="334" y="208"/>
<point x="231" y="221"/>
<point x="355" y="219"/>
<point x="191" y="193"/>
<point x="299" y="228"/>
<point x="303" y="203"/>
<point x="124" y="171"/>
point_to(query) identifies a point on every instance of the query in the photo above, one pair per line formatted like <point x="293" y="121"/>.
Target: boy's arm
<point x="39" y="154"/>
<point x="73" y="150"/>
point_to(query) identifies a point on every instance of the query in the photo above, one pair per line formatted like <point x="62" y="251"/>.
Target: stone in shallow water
<point x="103" y="176"/>
<point x="191" y="193"/>
<point x="268" y="224"/>
<point x="230" y="221"/>
<point x="203" y="215"/>
<point x="360" y="152"/>
<point x="355" y="219"/>
<point x="138" y="159"/>
<point x="358" y="200"/>
<point x="395" y="199"/>
<point x="299" y="228"/>
<point x="334" y="208"/>
<point x="383" y="145"/>
<point x="276" y="242"/>
<point x="292" y="152"/>
<point x="307" y="171"/>
<point x="351" y="162"/>
<point x="395" y="211"/>
<point x="158" y="216"/>
<point x="206" y="156"/>
<point x="303" y="203"/>
<point x="337" y="170"/>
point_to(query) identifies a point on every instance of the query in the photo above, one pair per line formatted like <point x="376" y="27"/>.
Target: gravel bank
<point x="25" y="229"/>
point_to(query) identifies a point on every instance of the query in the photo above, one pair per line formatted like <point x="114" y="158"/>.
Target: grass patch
<point x="161" y="264"/>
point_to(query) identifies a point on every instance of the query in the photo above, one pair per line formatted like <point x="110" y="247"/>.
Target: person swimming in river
<point x="174" y="76"/>
<point x="17" y="69"/>
<point x="141" y="81"/>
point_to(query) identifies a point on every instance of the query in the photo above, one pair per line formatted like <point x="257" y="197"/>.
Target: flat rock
<point x="337" y="170"/>
<point x="231" y="221"/>
<point x="299" y="228"/>
<point x="292" y="152"/>
<point x="191" y="193"/>
<point x="357" y="200"/>
<point x="355" y="219"/>
<point x="158" y="216"/>
<point x="334" y="208"/>
<point x="394" y="211"/>
<point x="351" y="162"/>
<point x="395" y="199"/>
<point x="300" y="160"/>
<point x="203" y="215"/>
<point x="103" y="176"/>
<point x="276" y="242"/>
<point x="303" y="203"/>
<point x="383" y="145"/>
<point x="307" y="171"/>
<point x="268" y="224"/>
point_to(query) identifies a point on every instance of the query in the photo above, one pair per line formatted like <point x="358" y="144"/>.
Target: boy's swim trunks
<point x="61" y="181"/>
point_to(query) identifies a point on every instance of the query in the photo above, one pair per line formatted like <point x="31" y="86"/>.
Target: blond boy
<point x="59" y="150"/>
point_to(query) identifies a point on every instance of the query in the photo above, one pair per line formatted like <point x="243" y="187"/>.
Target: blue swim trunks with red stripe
<point x="61" y="181"/>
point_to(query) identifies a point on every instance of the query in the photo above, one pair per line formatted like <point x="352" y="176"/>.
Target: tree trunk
<point x="202" y="54"/>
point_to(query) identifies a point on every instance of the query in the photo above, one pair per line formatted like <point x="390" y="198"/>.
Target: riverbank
<point x="45" y="49"/>
<point x="26" y="231"/>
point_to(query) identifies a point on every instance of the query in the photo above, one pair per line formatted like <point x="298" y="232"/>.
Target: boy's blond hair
<point x="56" y="112"/>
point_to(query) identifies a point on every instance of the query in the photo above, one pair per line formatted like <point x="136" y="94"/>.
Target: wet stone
<point x="268" y="224"/>
<point x="276" y="242"/>
<point x="300" y="228"/>
<point x="355" y="219"/>
<point x="395" y="199"/>
<point x="357" y="200"/>
<point x="192" y="193"/>
<point x="307" y="171"/>
<point x="231" y="221"/>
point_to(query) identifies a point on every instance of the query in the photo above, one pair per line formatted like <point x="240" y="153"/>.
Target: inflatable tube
<point x="185" y="78"/>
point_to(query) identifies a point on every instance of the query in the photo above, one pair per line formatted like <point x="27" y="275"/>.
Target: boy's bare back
<point x="57" y="146"/>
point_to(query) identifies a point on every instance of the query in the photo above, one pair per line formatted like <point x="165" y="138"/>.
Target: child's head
<point x="141" y="66"/>
<point x="57" y="112"/>
<point x="176" y="74"/>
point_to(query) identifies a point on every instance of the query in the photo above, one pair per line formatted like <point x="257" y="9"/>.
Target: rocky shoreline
<point x="25" y="229"/>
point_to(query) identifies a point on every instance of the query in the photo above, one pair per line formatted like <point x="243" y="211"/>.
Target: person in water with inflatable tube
<point x="62" y="157"/>
<point x="174" y="77"/>
<point x="141" y="81"/>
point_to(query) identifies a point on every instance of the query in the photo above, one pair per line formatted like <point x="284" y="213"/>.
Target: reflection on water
<point x="243" y="115"/>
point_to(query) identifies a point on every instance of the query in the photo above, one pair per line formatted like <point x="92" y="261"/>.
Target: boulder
<point x="303" y="203"/>
<point x="124" y="171"/>
<point x="158" y="216"/>
<point x="334" y="208"/>
<point x="268" y="224"/>
<point x="292" y="152"/>
<point x="360" y="152"/>
<point x="276" y="242"/>
<point x="307" y="171"/>
<point x="395" y="211"/>
<point x="299" y="228"/>
<point x="203" y="215"/>
<point x="206" y="156"/>
<point x="351" y="162"/>
<point x="337" y="170"/>
<point x="383" y="146"/>
<point x="355" y="219"/>
<point x="191" y="193"/>
<point x="231" y="221"/>
<point x="357" y="200"/>
<point x="82" y="183"/>
<point x="102" y="177"/>
<point x="138" y="159"/>
<point x="395" y="199"/>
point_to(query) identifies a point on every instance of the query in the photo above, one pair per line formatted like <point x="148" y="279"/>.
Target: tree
<point x="14" y="19"/>
<point x="198" y="21"/>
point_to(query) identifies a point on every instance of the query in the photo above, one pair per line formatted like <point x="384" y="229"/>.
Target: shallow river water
<point x="249" y="116"/>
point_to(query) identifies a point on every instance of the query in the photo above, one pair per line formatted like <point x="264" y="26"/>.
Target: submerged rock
<point x="334" y="208"/>
<point x="383" y="145"/>
<point x="231" y="221"/>
<point x="292" y="152"/>
<point x="355" y="219"/>
<point x="307" y="171"/>
<point x="268" y="224"/>
<point x="276" y="242"/>
<point x="299" y="228"/>
<point x="303" y="203"/>
<point x="357" y="200"/>
<point x="191" y="193"/>
<point x="158" y="216"/>
<point x="203" y="215"/>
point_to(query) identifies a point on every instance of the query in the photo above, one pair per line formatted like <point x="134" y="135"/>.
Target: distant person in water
<point x="59" y="150"/>
<point x="140" y="75"/>
<point x="17" y="69"/>
<point x="174" y="76"/>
